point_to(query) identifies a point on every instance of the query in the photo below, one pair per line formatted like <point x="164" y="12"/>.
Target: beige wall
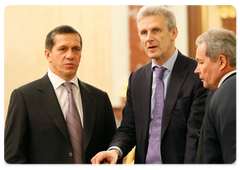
<point x="213" y="17"/>
<point x="25" y="29"/>
<point x="180" y="12"/>
<point x="105" y="32"/>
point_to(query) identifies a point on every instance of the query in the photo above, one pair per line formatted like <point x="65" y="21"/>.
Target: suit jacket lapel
<point x="89" y="105"/>
<point x="178" y="76"/>
<point x="145" y="105"/>
<point x="50" y="103"/>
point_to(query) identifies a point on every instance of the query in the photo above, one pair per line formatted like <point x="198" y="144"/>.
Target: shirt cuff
<point x="115" y="147"/>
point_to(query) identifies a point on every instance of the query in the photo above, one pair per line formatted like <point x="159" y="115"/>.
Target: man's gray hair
<point x="219" y="41"/>
<point x="148" y="10"/>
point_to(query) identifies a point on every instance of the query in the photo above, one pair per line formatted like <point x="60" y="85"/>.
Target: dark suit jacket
<point x="36" y="131"/>
<point x="182" y="115"/>
<point x="217" y="142"/>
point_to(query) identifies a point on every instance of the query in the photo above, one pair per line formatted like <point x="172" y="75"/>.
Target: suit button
<point x="70" y="154"/>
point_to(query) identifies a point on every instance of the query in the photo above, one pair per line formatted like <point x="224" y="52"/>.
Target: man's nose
<point x="150" y="37"/>
<point x="70" y="54"/>
<point x="197" y="71"/>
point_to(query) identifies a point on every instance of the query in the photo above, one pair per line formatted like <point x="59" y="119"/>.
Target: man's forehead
<point x="66" y="35"/>
<point x="67" y="38"/>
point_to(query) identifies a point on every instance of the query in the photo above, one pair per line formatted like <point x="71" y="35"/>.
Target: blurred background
<point x="111" y="46"/>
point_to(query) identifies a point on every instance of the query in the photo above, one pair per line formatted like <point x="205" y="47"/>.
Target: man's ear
<point x="223" y="62"/>
<point x="47" y="55"/>
<point x="174" y="33"/>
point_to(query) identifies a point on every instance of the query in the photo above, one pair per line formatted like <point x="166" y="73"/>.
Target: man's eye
<point x="77" y="49"/>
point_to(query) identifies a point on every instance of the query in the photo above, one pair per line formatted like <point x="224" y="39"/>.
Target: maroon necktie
<point x="74" y="126"/>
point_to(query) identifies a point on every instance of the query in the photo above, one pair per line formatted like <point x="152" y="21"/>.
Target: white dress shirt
<point x="62" y="94"/>
<point x="226" y="76"/>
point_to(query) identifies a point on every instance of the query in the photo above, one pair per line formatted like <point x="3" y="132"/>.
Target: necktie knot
<point x="68" y="86"/>
<point x="159" y="72"/>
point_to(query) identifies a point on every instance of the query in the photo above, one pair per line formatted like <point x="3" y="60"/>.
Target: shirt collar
<point x="169" y="63"/>
<point x="58" y="81"/>
<point x="225" y="77"/>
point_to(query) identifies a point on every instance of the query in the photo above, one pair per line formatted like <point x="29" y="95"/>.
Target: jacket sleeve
<point x="110" y="125"/>
<point x="125" y="137"/>
<point x="16" y="130"/>
<point x="194" y="122"/>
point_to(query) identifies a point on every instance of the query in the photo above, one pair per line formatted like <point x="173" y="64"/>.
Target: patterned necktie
<point x="154" y="146"/>
<point x="74" y="126"/>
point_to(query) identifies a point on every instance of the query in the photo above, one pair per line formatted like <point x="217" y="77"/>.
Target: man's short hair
<point x="62" y="29"/>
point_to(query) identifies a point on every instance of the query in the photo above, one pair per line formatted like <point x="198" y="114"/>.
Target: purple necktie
<point x="154" y="145"/>
<point x="74" y="126"/>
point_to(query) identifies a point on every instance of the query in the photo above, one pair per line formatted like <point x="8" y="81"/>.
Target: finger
<point x="106" y="163"/>
<point x="94" y="159"/>
<point x="98" y="158"/>
<point x="113" y="161"/>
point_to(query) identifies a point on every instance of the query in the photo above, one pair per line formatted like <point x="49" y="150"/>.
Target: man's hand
<point x="106" y="157"/>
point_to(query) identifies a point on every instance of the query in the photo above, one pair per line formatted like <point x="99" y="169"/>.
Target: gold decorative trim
<point x="204" y="15"/>
<point x="227" y="11"/>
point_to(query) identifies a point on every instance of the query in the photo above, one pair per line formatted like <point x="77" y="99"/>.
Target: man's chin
<point x="153" y="57"/>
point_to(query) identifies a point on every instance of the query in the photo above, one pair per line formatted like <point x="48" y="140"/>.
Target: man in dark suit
<point x="36" y="128"/>
<point x="184" y="98"/>
<point x="216" y="56"/>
